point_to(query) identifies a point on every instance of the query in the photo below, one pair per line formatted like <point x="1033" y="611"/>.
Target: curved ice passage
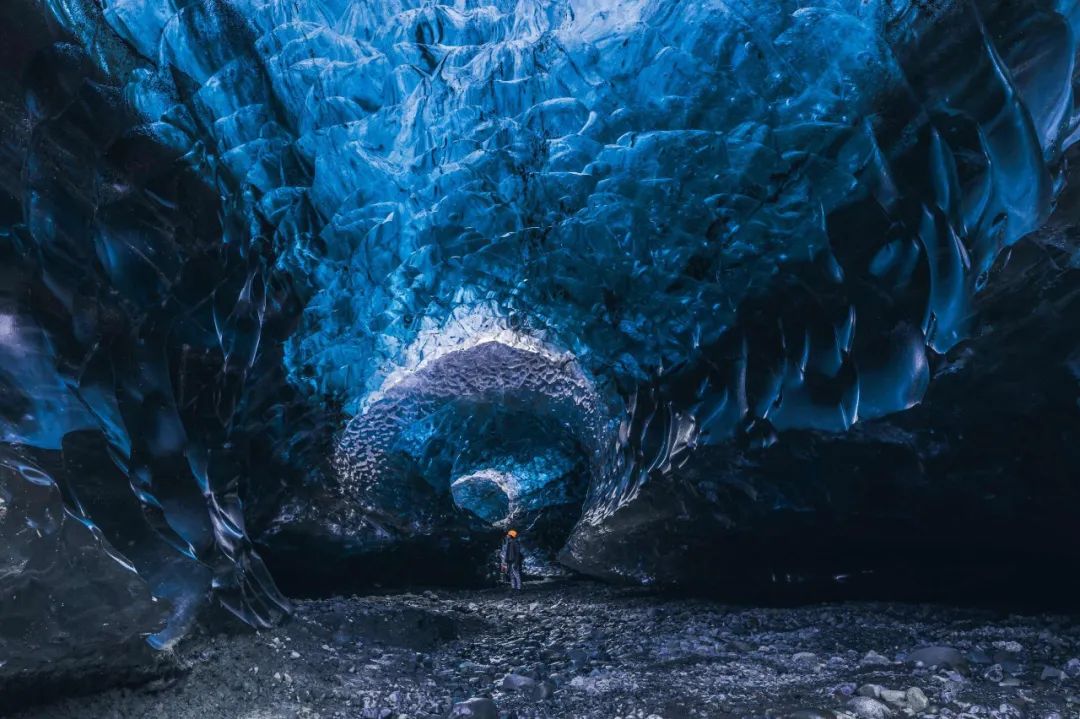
<point x="509" y="254"/>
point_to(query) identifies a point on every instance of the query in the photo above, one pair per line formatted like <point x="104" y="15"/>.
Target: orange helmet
<point x="512" y="533"/>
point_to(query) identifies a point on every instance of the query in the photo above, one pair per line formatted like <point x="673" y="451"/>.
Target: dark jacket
<point x="511" y="553"/>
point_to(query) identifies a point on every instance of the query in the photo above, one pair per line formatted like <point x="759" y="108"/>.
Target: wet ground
<point x="585" y="650"/>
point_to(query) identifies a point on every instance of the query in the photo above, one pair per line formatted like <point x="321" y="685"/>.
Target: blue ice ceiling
<point x="532" y="254"/>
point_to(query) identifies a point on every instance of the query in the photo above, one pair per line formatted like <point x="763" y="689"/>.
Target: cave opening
<point x="469" y="445"/>
<point x="508" y="463"/>
<point x="516" y="469"/>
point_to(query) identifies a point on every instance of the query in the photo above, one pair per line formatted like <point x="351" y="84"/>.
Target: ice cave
<point x="759" y="320"/>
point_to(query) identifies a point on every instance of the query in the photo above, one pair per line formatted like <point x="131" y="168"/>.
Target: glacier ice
<point x="380" y="271"/>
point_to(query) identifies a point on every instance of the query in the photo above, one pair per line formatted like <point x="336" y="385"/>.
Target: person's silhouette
<point x="512" y="558"/>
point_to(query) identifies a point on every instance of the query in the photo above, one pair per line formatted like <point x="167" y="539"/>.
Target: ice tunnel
<point x="302" y="293"/>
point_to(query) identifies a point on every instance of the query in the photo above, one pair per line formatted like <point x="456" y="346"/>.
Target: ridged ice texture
<point x="129" y="362"/>
<point x="732" y="217"/>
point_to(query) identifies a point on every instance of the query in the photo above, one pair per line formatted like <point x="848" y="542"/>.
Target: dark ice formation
<point x="340" y="279"/>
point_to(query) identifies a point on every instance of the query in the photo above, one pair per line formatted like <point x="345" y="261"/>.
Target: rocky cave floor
<point x="577" y="649"/>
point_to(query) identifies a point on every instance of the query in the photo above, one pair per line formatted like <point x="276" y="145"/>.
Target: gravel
<point x="576" y="649"/>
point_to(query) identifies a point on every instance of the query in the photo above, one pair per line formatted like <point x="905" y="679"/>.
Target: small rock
<point x="1009" y="646"/>
<point x="804" y="659"/>
<point x="916" y="699"/>
<point x="893" y="696"/>
<point x="1072" y="667"/>
<point x="1052" y="673"/>
<point x="578" y="656"/>
<point x="870" y="690"/>
<point x="867" y="708"/>
<point x="294" y="654"/>
<point x="936" y="657"/>
<point x="540" y="691"/>
<point x="873" y="659"/>
<point x="517" y="682"/>
<point x="475" y="708"/>
<point x="812" y="714"/>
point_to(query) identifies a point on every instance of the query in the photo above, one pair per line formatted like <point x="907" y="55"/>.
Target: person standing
<point x="512" y="558"/>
